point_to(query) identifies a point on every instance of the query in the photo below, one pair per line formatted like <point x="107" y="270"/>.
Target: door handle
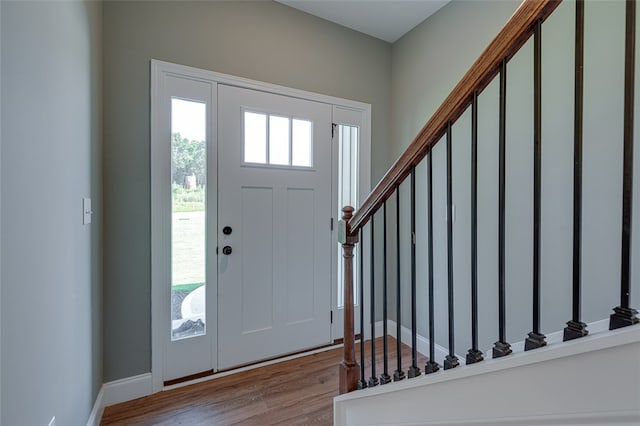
<point x="227" y="250"/>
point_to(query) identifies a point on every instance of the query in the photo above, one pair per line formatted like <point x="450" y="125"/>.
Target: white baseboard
<point x="98" y="409"/>
<point x="422" y="342"/>
<point x="127" y="389"/>
<point x="119" y="391"/>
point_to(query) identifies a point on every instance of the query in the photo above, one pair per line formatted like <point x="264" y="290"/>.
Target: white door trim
<point x="160" y="69"/>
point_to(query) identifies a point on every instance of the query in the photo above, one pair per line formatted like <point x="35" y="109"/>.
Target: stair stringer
<point x="590" y="381"/>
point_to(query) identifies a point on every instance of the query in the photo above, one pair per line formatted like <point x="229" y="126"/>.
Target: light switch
<point x="86" y="211"/>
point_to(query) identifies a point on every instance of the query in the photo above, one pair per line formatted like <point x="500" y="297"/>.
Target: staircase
<point x="590" y="381"/>
<point x="575" y="374"/>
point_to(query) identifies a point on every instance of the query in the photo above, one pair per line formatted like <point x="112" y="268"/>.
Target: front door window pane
<point x="301" y="143"/>
<point x="279" y="140"/>
<point x="188" y="212"/>
<point x="276" y="140"/>
<point x="255" y="138"/>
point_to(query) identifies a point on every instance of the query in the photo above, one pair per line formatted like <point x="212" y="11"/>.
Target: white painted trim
<point x="605" y="418"/>
<point x="625" y="340"/>
<point x="118" y="391"/>
<point x="158" y="222"/>
<point x="98" y="409"/>
<point x="1" y="217"/>
<point x="197" y="73"/>
<point x="592" y="342"/>
<point x="423" y="343"/>
<point x="127" y="389"/>
<point x="158" y="70"/>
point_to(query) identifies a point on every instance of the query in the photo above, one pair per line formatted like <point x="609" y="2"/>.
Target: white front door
<point x="274" y="225"/>
<point x="263" y="163"/>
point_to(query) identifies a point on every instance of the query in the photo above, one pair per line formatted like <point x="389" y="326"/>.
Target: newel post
<point x="349" y="373"/>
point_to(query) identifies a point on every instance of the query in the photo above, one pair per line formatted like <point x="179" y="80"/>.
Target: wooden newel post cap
<point x="343" y="237"/>
<point x="347" y="213"/>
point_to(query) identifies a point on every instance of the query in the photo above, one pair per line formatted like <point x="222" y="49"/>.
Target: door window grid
<point x="276" y="140"/>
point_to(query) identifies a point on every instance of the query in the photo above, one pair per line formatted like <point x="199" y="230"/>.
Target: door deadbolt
<point x="227" y="250"/>
<point x="227" y="230"/>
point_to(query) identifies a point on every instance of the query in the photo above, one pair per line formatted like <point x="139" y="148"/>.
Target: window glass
<point x="276" y="140"/>
<point x="255" y="138"/>
<point x="301" y="143"/>
<point x="279" y="140"/>
<point x="188" y="217"/>
<point x="348" y="171"/>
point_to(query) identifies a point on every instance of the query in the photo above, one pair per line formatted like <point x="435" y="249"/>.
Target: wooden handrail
<point x="510" y="39"/>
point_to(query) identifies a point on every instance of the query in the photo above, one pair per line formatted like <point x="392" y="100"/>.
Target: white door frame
<point x="159" y="228"/>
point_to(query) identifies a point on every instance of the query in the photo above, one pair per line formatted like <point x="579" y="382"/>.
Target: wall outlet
<point x="53" y="421"/>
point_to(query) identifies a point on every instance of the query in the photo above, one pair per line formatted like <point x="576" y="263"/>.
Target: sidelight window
<point x="188" y="202"/>
<point x="348" y="172"/>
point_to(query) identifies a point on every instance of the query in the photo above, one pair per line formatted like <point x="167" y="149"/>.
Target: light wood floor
<point x="296" y="392"/>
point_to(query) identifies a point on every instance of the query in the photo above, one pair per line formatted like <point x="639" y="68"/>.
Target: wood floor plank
<point x="295" y="392"/>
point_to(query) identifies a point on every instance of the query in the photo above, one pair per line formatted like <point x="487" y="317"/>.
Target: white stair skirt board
<point x="423" y="343"/>
<point x="591" y="381"/>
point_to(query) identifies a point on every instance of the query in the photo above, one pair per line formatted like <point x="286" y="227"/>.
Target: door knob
<point x="227" y="250"/>
<point x="227" y="230"/>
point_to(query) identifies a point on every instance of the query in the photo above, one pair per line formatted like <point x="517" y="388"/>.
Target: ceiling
<point x="387" y="20"/>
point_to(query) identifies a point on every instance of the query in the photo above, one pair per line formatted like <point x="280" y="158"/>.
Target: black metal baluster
<point x="384" y="378"/>
<point x="451" y="360"/>
<point x="576" y="328"/>
<point x="474" y="355"/>
<point x="536" y="339"/>
<point x="624" y="315"/>
<point x="431" y="366"/>
<point x="362" y="383"/>
<point x="414" y="370"/>
<point x="501" y="347"/>
<point x="398" y="374"/>
<point x="373" y="380"/>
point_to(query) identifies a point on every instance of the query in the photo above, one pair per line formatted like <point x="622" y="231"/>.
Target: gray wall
<point x="264" y="41"/>
<point x="426" y="64"/>
<point x="51" y="273"/>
